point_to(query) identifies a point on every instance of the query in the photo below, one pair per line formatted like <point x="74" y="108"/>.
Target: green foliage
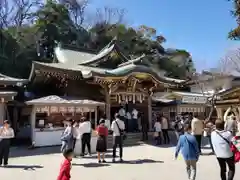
<point x="234" y="34"/>
<point x="53" y="24"/>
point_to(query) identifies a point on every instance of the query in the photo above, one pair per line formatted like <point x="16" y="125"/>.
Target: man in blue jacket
<point x="189" y="148"/>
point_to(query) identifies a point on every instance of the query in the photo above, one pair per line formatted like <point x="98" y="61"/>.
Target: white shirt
<point x="158" y="127"/>
<point x="122" y="112"/>
<point x="221" y="147"/>
<point x="164" y="123"/>
<point x="6" y="133"/>
<point x="85" y="127"/>
<point x="114" y="127"/>
<point x="197" y="126"/>
<point x="107" y="123"/>
<point x="129" y="115"/>
<point x="135" y="114"/>
<point x="76" y="131"/>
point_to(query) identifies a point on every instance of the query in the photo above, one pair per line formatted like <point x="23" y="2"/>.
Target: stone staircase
<point x="135" y="139"/>
<point x="132" y="139"/>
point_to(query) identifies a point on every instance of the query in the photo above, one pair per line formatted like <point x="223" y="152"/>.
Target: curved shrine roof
<point x="7" y="80"/>
<point x="56" y="100"/>
<point x="87" y="72"/>
<point x="84" y="65"/>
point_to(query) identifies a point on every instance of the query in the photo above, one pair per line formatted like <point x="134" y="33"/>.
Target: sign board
<point x="53" y="109"/>
<point x="194" y="99"/>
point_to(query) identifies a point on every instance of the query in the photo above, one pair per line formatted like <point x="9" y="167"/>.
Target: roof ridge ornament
<point x="132" y="61"/>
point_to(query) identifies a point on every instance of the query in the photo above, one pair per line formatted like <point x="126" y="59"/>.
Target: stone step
<point x="132" y="139"/>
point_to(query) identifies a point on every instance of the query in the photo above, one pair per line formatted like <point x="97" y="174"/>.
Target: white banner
<point x="194" y="99"/>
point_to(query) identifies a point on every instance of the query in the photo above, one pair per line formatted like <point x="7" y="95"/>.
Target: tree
<point x="39" y="26"/>
<point x="230" y="62"/>
<point x="76" y="10"/>
<point x="5" y="11"/>
<point x="235" y="33"/>
<point x="54" y="26"/>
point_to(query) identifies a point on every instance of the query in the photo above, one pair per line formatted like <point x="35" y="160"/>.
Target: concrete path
<point x="143" y="162"/>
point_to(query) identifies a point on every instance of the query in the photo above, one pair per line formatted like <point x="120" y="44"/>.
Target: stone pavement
<point x="143" y="162"/>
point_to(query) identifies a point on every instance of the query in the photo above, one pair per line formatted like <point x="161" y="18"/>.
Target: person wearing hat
<point x="101" y="147"/>
<point x="6" y="134"/>
<point x="67" y="136"/>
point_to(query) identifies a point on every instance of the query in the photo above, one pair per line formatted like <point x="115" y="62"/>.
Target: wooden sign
<point x="45" y="109"/>
<point x="194" y="99"/>
<point x="53" y="109"/>
<point x="71" y="109"/>
<point x="79" y="109"/>
<point x="63" y="109"/>
<point x="38" y="110"/>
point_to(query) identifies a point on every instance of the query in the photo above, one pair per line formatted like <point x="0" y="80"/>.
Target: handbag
<point x="122" y="133"/>
<point x="155" y="134"/>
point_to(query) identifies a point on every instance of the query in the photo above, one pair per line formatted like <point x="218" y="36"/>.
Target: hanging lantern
<point x="119" y="98"/>
<point x="123" y="97"/>
<point x="126" y="99"/>
<point x="134" y="98"/>
<point x="130" y="97"/>
<point x="141" y="100"/>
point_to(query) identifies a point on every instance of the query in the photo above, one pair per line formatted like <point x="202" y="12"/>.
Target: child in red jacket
<point x="64" y="173"/>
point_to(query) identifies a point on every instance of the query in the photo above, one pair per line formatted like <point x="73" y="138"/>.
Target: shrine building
<point x="106" y="76"/>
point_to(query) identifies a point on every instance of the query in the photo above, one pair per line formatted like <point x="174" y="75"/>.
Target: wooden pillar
<point x="108" y="106"/>
<point x="33" y="124"/>
<point x="15" y="117"/>
<point x="96" y="117"/>
<point x="238" y="112"/>
<point x="2" y="113"/>
<point x="150" y="112"/>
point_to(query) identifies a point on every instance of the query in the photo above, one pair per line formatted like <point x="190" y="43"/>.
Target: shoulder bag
<point x="226" y="140"/>
<point x="67" y="137"/>
<point x="121" y="132"/>
<point x="191" y="144"/>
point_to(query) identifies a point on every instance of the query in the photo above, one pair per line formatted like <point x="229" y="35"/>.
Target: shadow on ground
<point x="91" y="165"/>
<point x="138" y="161"/>
<point x="24" y="151"/>
<point x="24" y="167"/>
<point x="94" y="156"/>
<point x="150" y="143"/>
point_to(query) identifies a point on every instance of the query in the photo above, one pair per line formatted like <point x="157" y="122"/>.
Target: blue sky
<point x="200" y="27"/>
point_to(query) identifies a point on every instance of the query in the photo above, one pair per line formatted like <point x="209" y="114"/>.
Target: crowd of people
<point x="224" y="140"/>
<point x="223" y="136"/>
<point x="82" y="129"/>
